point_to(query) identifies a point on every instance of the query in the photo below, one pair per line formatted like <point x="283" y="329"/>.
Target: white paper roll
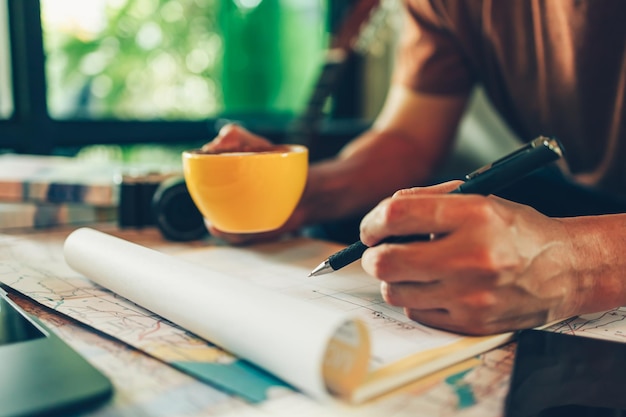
<point x="285" y="336"/>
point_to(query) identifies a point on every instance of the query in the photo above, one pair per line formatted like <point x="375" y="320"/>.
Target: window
<point x="153" y="71"/>
<point x="179" y="59"/>
<point x="6" y="94"/>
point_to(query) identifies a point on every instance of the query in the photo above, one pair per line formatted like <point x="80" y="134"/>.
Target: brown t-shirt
<point x="550" y="67"/>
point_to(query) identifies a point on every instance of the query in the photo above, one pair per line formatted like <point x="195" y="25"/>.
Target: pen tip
<point x="323" y="268"/>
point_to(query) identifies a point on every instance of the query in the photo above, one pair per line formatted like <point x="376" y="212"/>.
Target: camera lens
<point x="175" y="213"/>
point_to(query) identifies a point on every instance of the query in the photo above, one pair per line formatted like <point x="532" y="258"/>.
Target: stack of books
<point x="44" y="191"/>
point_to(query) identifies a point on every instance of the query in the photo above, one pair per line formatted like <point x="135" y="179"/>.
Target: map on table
<point x="40" y="272"/>
<point x="36" y="268"/>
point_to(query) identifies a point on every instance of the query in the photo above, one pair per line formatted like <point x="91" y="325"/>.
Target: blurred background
<point x="127" y="79"/>
<point x="119" y="88"/>
<point x="179" y="59"/>
<point x="77" y="73"/>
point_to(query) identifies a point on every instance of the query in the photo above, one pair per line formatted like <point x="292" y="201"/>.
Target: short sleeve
<point x="429" y="58"/>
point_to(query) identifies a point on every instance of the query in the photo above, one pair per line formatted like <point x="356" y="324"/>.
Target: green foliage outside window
<point x="182" y="59"/>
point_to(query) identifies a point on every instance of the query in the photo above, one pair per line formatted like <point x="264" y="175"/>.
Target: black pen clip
<point x="538" y="144"/>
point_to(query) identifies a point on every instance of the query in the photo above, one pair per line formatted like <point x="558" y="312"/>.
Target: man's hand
<point x="494" y="265"/>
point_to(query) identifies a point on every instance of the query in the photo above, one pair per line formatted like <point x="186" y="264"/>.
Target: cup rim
<point x="293" y="148"/>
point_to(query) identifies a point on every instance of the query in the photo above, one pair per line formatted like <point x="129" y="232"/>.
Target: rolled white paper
<point x="285" y="336"/>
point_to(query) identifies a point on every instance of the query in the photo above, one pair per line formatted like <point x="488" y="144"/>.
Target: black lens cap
<point x="175" y="213"/>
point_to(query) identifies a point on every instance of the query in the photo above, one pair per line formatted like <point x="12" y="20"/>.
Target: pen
<point x="485" y="180"/>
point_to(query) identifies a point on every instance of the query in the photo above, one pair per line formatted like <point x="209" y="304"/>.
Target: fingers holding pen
<point x="483" y="273"/>
<point x="457" y="249"/>
<point x="411" y="211"/>
<point x="414" y="295"/>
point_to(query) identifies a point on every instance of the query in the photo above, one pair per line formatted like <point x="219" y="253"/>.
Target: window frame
<point x="30" y="129"/>
<point x="6" y="91"/>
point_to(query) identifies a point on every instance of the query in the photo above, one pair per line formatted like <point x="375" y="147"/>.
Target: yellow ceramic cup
<point x="247" y="192"/>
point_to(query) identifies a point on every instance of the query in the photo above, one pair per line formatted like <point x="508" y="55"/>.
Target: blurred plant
<point x="150" y="59"/>
<point x="175" y="59"/>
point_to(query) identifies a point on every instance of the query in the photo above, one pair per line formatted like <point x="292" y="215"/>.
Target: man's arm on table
<point x="407" y="142"/>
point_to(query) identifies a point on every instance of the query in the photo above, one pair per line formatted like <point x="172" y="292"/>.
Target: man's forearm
<point x="364" y="173"/>
<point x="409" y="139"/>
<point x="598" y="246"/>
